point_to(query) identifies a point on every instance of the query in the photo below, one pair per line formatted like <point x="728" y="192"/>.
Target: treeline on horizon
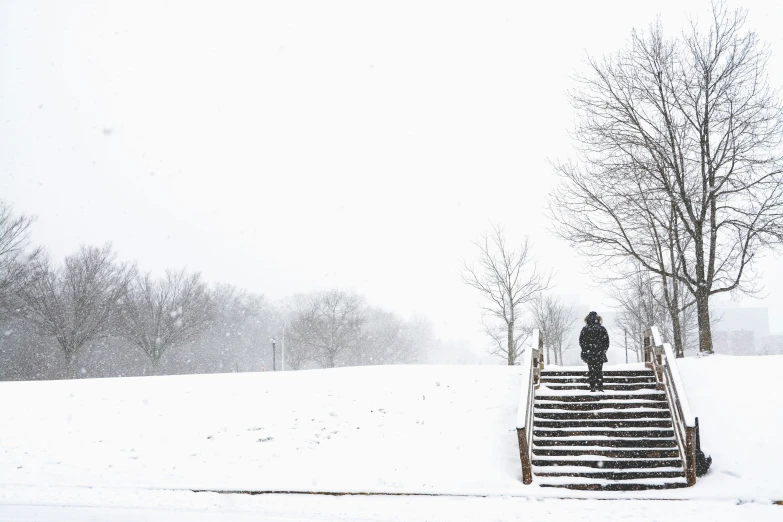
<point x="94" y="316"/>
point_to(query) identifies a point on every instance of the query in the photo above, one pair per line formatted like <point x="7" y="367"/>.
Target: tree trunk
<point x="69" y="369"/>
<point x="511" y="350"/>
<point x="674" y="313"/>
<point x="679" y="349"/>
<point x="703" y="311"/>
<point x="673" y="307"/>
<point x="679" y="342"/>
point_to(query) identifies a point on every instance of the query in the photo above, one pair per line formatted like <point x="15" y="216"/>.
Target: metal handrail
<point x="659" y="357"/>
<point x="532" y="364"/>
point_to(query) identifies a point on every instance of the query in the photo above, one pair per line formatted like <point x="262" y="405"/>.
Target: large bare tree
<point x="77" y="303"/>
<point x="686" y="133"/>
<point x="507" y="278"/>
<point x="159" y="314"/>
<point x="16" y="259"/>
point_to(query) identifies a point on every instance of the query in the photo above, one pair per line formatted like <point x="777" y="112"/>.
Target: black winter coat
<point x="594" y="340"/>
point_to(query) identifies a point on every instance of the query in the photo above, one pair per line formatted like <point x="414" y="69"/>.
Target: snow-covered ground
<point x="65" y="505"/>
<point x="374" y="429"/>
<point x="135" y="443"/>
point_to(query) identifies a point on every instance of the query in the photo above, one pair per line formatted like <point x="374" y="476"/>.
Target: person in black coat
<point x="594" y="341"/>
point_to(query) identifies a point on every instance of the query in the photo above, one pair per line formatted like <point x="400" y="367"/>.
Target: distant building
<point x="739" y="331"/>
<point x="735" y="342"/>
<point x="772" y="345"/>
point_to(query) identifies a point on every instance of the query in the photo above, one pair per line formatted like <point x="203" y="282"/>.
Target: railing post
<point x="524" y="451"/>
<point x="690" y="455"/>
<point x="647" y="346"/>
<point x="538" y="360"/>
<point x="536" y="376"/>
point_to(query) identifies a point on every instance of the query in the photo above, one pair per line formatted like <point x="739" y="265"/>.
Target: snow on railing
<point x="531" y="374"/>
<point x="659" y="357"/>
<point x="671" y="362"/>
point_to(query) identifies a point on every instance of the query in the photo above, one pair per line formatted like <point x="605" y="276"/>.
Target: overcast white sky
<point x="288" y="146"/>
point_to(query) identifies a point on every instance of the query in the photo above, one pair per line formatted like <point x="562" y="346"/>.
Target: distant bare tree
<point x="77" y="303"/>
<point x="160" y="314"/>
<point x="639" y="305"/>
<point x="369" y="336"/>
<point x="298" y="348"/>
<point x="329" y="326"/>
<point x="238" y="336"/>
<point x="388" y="339"/>
<point x="554" y="319"/>
<point x="689" y="127"/>
<point x="16" y="261"/>
<point x="507" y="279"/>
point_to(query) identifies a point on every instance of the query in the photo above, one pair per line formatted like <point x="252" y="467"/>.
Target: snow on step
<point x="600" y="410"/>
<point x="596" y="471"/>
<point x="609" y="399"/>
<point x="546" y="390"/>
<point x="586" y="448"/>
<point x="601" y="437"/>
<point x="602" y="458"/>
<point x="600" y="428"/>
<point x="588" y="480"/>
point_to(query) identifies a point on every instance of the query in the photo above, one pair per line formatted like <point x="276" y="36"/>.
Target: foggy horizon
<point x="287" y="148"/>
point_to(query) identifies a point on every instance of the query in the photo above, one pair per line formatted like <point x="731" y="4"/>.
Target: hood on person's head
<point x="593" y="318"/>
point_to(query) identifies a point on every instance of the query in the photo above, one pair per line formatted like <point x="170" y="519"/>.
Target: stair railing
<point x="532" y="364"/>
<point x="659" y="357"/>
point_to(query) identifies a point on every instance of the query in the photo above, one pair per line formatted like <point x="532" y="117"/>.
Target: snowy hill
<point x="403" y="429"/>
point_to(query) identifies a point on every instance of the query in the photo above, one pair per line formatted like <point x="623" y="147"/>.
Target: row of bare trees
<point x="678" y="174"/>
<point x="93" y="300"/>
<point x="92" y="296"/>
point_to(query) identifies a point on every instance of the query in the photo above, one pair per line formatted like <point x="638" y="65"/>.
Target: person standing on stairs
<point x="594" y="341"/>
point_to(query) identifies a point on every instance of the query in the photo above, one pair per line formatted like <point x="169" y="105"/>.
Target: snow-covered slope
<point x="739" y="403"/>
<point x="413" y="429"/>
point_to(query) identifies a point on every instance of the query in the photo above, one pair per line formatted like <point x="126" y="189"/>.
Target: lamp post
<point x="274" y="361"/>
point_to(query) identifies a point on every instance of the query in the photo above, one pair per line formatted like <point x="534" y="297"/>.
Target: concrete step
<point x="607" y="380"/>
<point x="600" y="405"/>
<point x="644" y="453"/>
<point x="642" y="413"/>
<point x="589" y="423"/>
<point x="607" y="386"/>
<point x="606" y="463"/>
<point x="616" y="486"/>
<point x="611" y="373"/>
<point x="603" y="397"/>
<point x="617" y="475"/>
<point x="595" y="432"/>
<point x="544" y="442"/>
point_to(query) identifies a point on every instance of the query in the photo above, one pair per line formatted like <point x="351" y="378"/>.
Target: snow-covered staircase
<point x="622" y="439"/>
